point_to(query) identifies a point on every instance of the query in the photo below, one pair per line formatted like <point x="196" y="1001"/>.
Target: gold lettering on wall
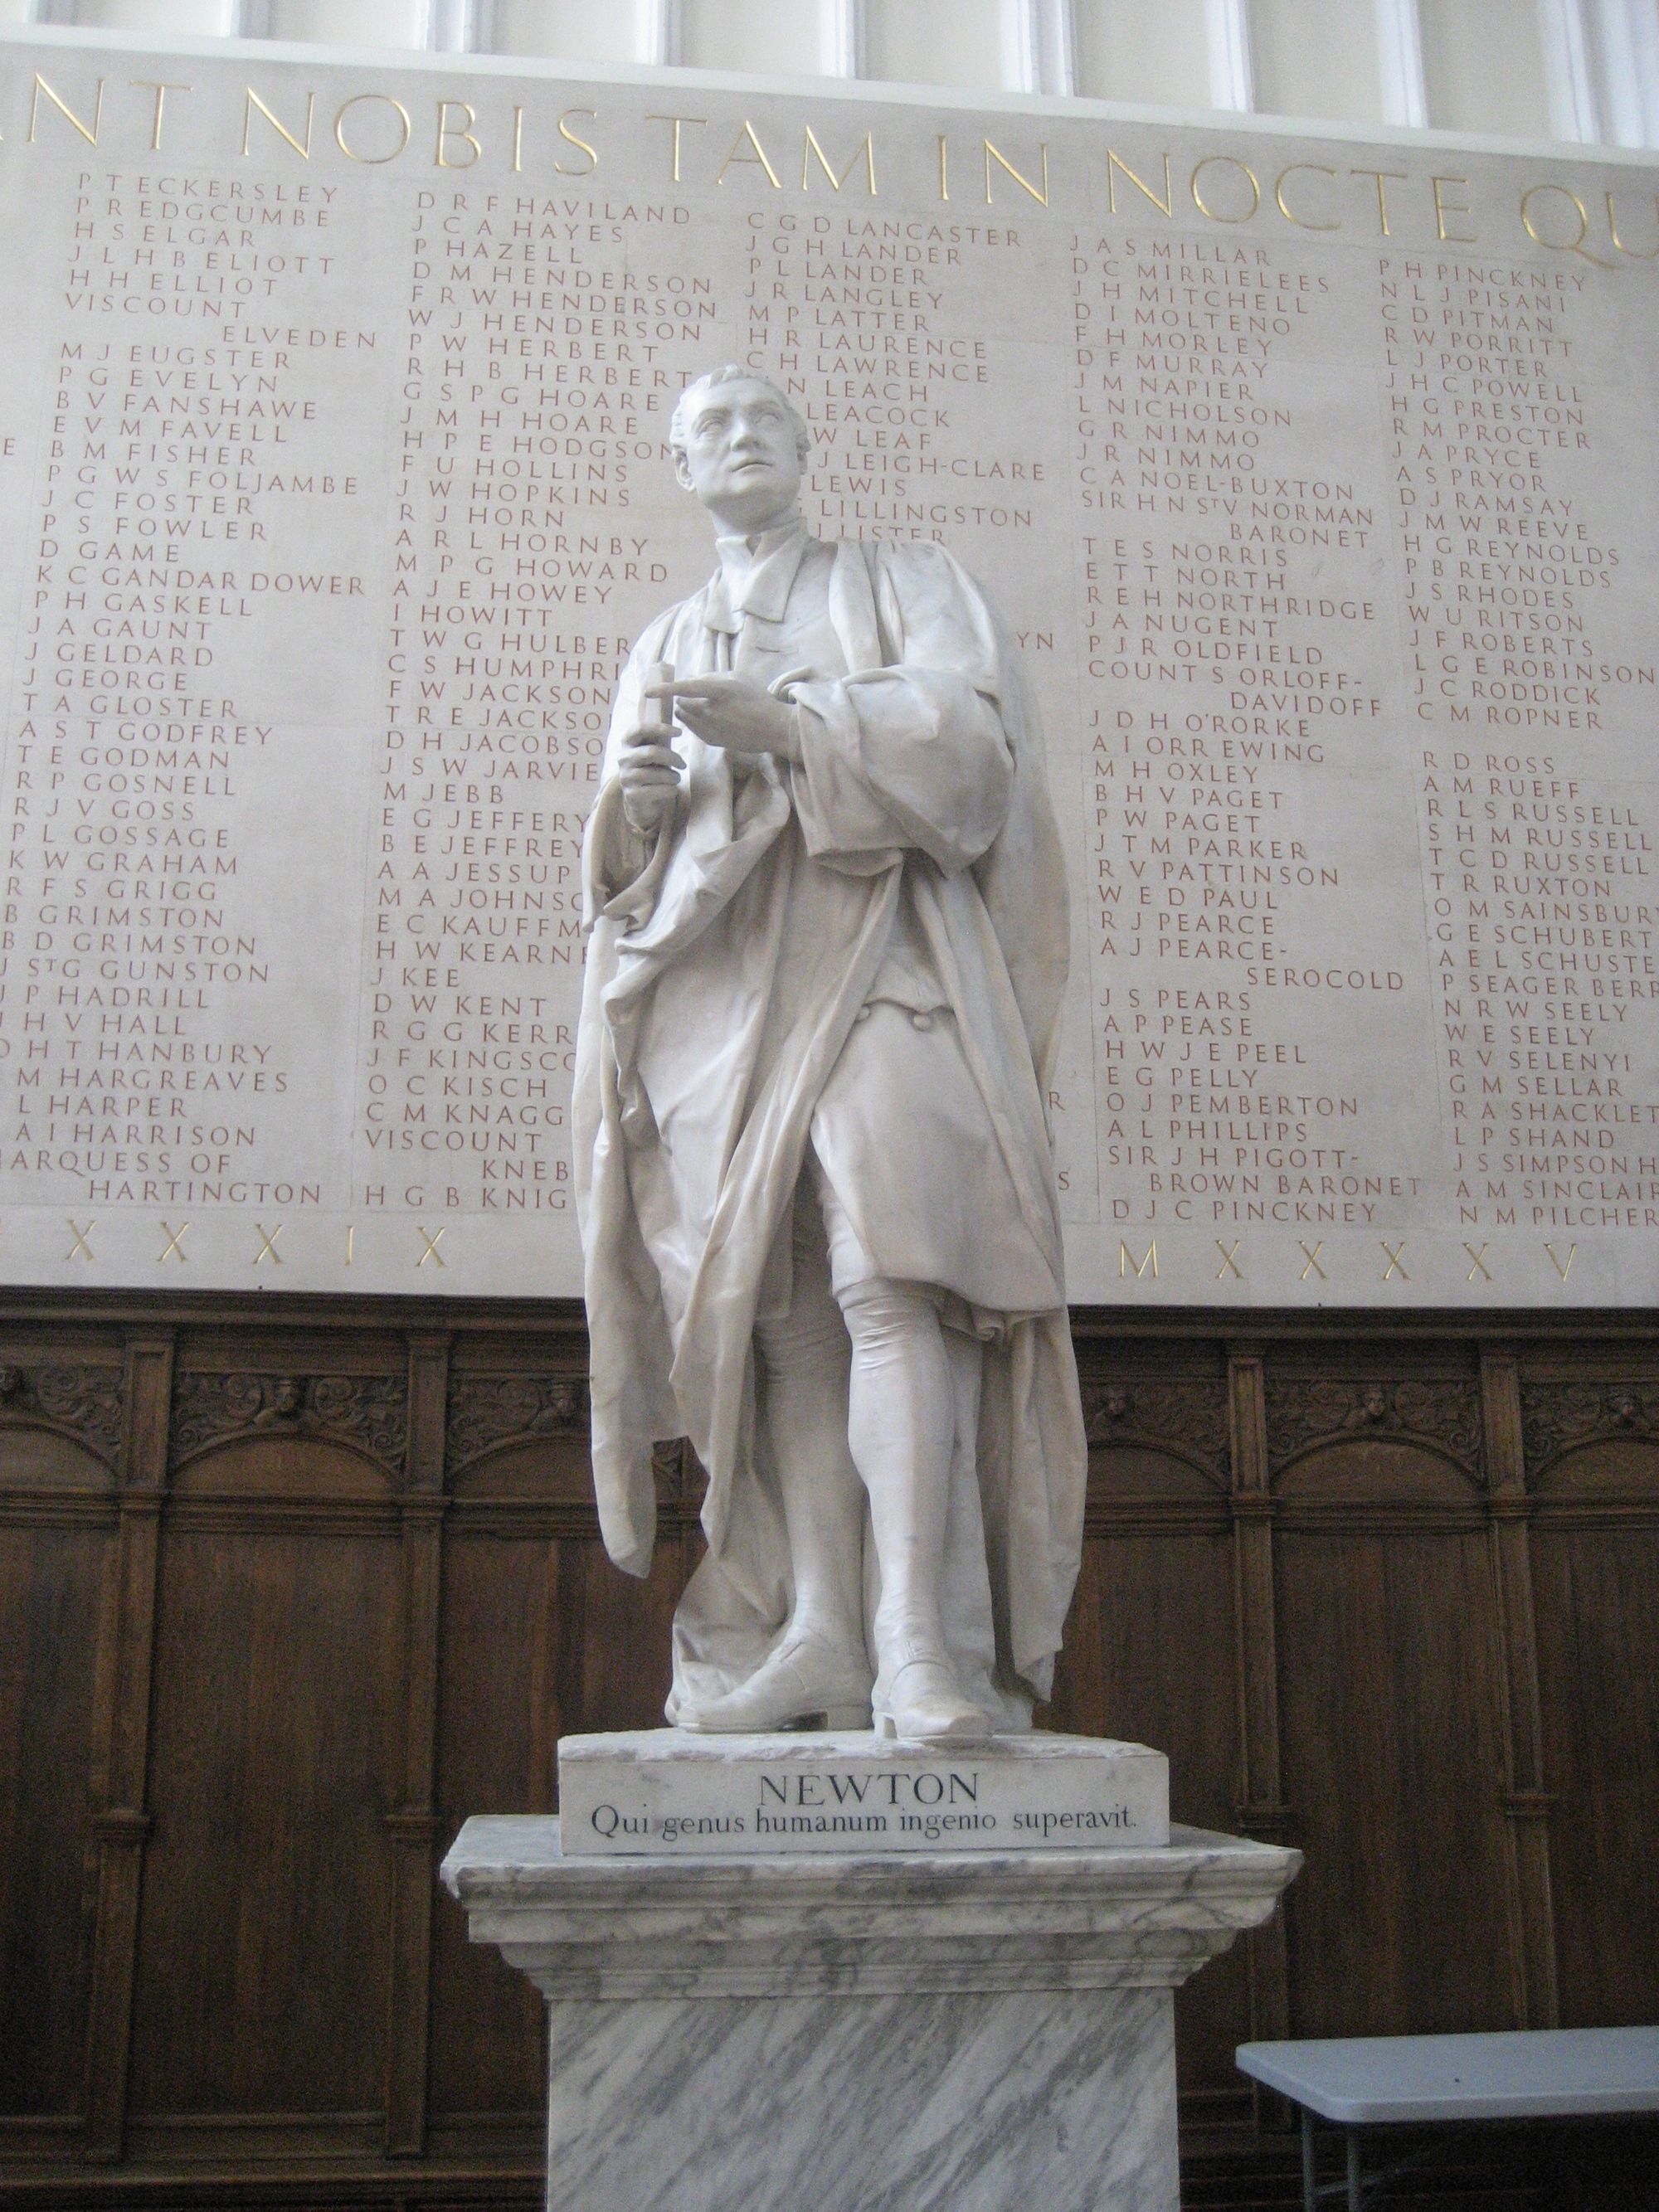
<point x="1442" y="208"/>
<point x="996" y="153"/>
<point x="1383" y="179"/>
<point x="757" y="159"/>
<point x="1538" y="238"/>
<point x="1116" y="311"/>
<point x="462" y="134"/>
<point x="1114" y="162"/>
<point x="301" y="147"/>
<point x="1576" y="243"/>
<point x="1302" y="169"/>
<point x="1590" y="221"/>
<point x="161" y="90"/>
<point x="812" y="150"/>
<point x="64" y="109"/>
<point x="363" y="100"/>
<point x="1612" y="233"/>
<point x="1226" y="162"/>
<point x="571" y="138"/>
<point x="678" y="123"/>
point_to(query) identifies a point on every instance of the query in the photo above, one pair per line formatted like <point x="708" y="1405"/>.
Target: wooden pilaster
<point x="413" y="1823"/>
<point x="1526" y="1803"/>
<point x="121" y="1826"/>
<point x="1261" y="1813"/>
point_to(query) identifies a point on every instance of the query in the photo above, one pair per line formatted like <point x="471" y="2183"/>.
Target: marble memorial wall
<point x="1313" y="476"/>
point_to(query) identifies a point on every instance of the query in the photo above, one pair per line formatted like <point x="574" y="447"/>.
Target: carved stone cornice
<point x="847" y="1927"/>
<point x="487" y="1411"/>
<point x="369" y="1411"/>
<point x="1303" y="1412"/>
<point x="1557" y="1416"/>
<point x="1185" y="1415"/>
<point x="88" y="1402"/>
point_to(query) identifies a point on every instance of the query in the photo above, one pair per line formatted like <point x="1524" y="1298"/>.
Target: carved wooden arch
<point x="1311" y="1420"/>
<point x="81" y="1405"/>
<point x="499" y="1430"/>
<point x="241" y="1467"/>
<point x="1399" y="1470"/>
<point x="491" y="1413"/>
<point x="1184" y="1420"/>
<point x="1612" y="1479"/>
<point x="83" y="1471"/>
<point x="361" y="1419"/>
<point x="1592" y="1440"/>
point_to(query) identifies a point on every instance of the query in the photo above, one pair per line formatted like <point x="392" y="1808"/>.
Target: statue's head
<point x="740" y="446"/>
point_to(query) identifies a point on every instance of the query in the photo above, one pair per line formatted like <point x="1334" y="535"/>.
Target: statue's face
<point x="741" y="457"/>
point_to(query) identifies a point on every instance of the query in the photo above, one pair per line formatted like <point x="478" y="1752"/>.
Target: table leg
<point x="1564" y="2166"/>
<point x="1309" y="2168"/>
<point x="1356" y="2179"/>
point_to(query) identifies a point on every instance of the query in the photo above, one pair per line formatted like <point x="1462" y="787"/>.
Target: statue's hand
<point x="649" y="773"/>
<point x="732" y="712"/>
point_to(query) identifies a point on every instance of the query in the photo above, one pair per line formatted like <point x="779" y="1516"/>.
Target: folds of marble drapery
<point x="730" y="959"/>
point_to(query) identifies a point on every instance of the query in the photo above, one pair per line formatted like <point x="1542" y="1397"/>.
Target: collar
<point x="755" y="574"/>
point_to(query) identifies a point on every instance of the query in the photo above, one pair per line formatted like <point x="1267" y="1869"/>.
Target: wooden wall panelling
<point x="1150" y="1647"/>
<point x="413" y="1822"/>
<point x="1399" y="1578"/>
<point x="520" y="1556"/>
<point x="1260" y="1810"/>
<point x="60" y="1447"/>
<point x="1526" y="1803"/>
<point x="122" y="1825"/>
<point x="259" y="2029"/>
<point x="1592" y="1445"/>
<point x="1390" y="1703"/>
<point x="541" y="1635"/>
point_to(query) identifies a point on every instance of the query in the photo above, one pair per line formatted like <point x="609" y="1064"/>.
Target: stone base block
<point x="663" y="1792"/>
<point x="976" y="2100"/>
<point x="902" y="2032"/>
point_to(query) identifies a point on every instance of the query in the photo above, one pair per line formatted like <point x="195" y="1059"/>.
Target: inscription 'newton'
<point x="892" y="1786"/>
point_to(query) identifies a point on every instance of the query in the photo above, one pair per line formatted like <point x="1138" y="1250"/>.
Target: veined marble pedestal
<point x="926" y="2033"/>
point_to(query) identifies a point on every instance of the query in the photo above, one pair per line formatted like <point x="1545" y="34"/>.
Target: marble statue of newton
<point x="828" y="940"/>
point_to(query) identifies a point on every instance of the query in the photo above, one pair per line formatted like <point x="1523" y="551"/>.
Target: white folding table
<point x="1370" y="2081"/>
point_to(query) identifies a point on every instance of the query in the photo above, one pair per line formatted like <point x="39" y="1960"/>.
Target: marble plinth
<point x="665" y="1792"/>
<point x="861" y="2034"/>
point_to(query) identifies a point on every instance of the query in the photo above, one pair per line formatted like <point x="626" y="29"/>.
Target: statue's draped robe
<point x="907" y="867"/>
